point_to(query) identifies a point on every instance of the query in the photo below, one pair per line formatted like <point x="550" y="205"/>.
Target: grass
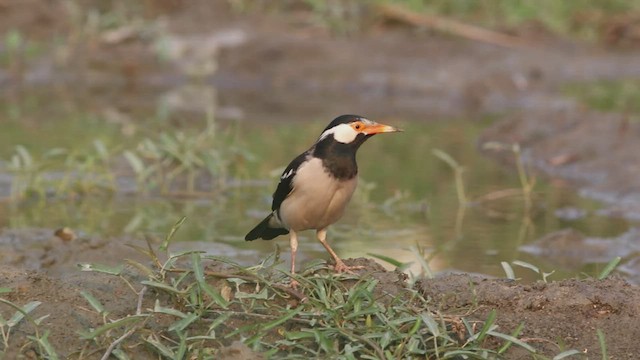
<point x="327" y="317"/>
<point x="190" y="305"/>
<point x="23" y="314"/>
<point x="157" y="163"/>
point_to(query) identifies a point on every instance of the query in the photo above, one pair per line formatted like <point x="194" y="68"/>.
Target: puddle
<point x="407" y="196"/>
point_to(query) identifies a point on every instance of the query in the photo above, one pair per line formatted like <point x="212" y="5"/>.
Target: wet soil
<point x="294" y="61"/>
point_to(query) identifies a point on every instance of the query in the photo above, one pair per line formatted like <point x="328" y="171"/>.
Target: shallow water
<point x="406" y="199"/>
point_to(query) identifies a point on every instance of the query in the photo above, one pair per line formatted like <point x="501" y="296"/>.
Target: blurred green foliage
<point x="606" y="95"/>
<point x="584" y="19"/>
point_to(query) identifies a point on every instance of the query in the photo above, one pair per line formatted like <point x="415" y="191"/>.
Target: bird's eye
<point x="357" y="126"/>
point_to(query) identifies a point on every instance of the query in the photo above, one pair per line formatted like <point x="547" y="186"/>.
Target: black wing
<point x="285" y="186"/>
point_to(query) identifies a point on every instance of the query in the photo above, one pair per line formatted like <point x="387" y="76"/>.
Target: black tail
<point x="265" y="231"/>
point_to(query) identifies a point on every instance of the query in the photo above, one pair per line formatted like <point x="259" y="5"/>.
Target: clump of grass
<point x="191" y="305"/>
<point x="159" y="162"/>
<point x="156" y="163"/>
<point x="23" y="314"/>
<point x="61" y="172"/>
<point x="603" y="274"/>
<point x="200" y="307"/>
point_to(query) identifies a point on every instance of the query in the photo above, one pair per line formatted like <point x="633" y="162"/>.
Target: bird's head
<point x="349" y="129"/>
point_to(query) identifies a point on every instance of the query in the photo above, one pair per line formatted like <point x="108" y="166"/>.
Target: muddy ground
<point x="556" y="316"/>
<point x="292" y="59"/>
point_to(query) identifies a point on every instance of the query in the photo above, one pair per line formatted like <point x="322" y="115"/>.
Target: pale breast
<point x="317" y="200"/>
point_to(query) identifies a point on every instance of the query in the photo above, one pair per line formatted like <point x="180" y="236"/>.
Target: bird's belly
<point x="316" y="207"/>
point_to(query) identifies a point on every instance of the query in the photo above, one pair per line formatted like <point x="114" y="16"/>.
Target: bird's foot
<point x="294" y="284"/>
<point x="341" y="267"/>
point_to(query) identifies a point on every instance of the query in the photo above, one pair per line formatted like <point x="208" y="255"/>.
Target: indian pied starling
<point x="317" y="185"/>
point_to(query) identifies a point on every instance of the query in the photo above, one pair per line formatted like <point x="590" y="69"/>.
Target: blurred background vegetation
<point x="168" y="108"/>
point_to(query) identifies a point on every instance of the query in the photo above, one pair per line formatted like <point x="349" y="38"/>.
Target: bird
<point x="317" y="185"/>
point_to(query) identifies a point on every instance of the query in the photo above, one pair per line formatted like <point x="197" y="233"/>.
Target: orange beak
<point x="379" y="128"/>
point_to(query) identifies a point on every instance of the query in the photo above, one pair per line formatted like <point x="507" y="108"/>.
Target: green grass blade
<point x="110" y="270"/>
<point x="609" y="268"/>
<point x="221" y="319"/>
<point x="172" y="232"/>
<point x="162" y="286"/>
<point x="120" y="355"/>
<point x="183" y="323"/>
<point x="135" y="162"/>
<point x="514" y="334"/>
<point x="88" y="335"/>
<point x="270" y="325"/>
<point x="566" y="354"/>
<point x="527" y="266"/>
<point x="45" y="345"/>
<point x="388" y="259"/>
<point x="161" y="348"/>
<point x="603" y="344"/>
<point x="182" y="348"/>
<point x="22" y="312"/>
<point x="431" y="323"/>
<point x="508" y="270"/>
<point x="446" y="158"/>
<point x="95" y="303"/>
<point x="199" y="274"/>
<point x="169" y="311"/>
<point x="514" y="340"/>
<point x="39" y="320"/>
<point x="423" y="263"/>
<point x="488" y="325"/>
<point x="266" y="326"/>
<point x="147" y="271"/>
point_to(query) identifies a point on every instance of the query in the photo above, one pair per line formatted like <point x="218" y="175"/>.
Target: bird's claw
<point x="294" y="284"/>
<point x="341" y="267"/>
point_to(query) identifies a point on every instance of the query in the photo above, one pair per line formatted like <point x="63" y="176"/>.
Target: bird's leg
<point x="340" y="266"/>
<point x="293" y="241"/>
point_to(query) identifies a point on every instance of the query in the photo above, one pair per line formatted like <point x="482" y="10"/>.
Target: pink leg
<point x="293" y="241"/>
<point x="340" y="265"/>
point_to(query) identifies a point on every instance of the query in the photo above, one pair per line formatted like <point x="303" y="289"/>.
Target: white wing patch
<point x="287" y="174"/>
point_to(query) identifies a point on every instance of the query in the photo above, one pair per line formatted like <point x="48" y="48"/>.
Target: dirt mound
<point x="566" y="312"/>
<point x="68" y="312"/>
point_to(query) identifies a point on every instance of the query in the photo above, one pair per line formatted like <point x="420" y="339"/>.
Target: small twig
<point x="447" y="25"/>
<point x="379" y="353"/>
<point x="298" y="295"/>
<point x="499" y="194"/>
<point x="118" y="341"/>
<point x="263" y="316"/>
<point x="140" y="297"/>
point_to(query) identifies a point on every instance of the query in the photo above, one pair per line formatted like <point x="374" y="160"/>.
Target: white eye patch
<point x="343" y="133"/>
